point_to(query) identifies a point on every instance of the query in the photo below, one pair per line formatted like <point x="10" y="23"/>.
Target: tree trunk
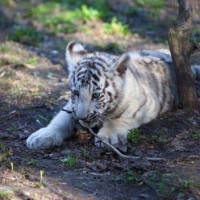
<point x="181" y="50"/>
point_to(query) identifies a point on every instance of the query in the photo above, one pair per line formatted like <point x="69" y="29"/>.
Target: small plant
<point x="186" y="184"/>
<point x="4" y="194"/>
<point x="162" y="183"/>
<point x="197" y="185"/>
<point x="195" y="35"/>
<point x="132" y="177"/>
<point x="89" y="14"/>
<point x="32" y="162"/>
<point x="26" y="35"/>
<point x="7" y="1"/>
<point x="31" y="61"/>
<point x="69" y="161"/>
<point x="164" y="188"/>
<point x="50" y="75"/>
<point x="84" y="152"/>
<point x="4" y="48"/>
<point x="2" y="147"/>
<point x="154" y="139"/>
<point x="153" y="6"/>
<point x="13" y="128"/>
<point x="134" y="136"/>
<point x="16" y="93"/>
<point x="4" y="153"/>
<point x="41" y="174"/>
<point x="196" y="135"/>
<point x="39" y="183"/>
<point x="12" y="167"/>
<point x="43" y="118"/>
<point x="116" y="27"/>
<point x="112" y="47"/>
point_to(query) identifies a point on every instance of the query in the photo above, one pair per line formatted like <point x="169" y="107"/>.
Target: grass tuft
<point x="134" y="136"/>
<point x="154" y="6"/>
<point x="71" y="16"/>
<point x="4" y="194"/>
<point x="196" y="135"/>
<point x="28" y="36"/>
<point x="4" y="48"/>
<point x="70" y="161"/>
<point x="116" y="27"/>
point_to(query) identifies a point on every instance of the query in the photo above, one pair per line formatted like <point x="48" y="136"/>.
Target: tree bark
<point x="181" y="50"/>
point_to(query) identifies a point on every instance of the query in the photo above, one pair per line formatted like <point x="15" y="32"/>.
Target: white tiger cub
<point x="111" y="93"/>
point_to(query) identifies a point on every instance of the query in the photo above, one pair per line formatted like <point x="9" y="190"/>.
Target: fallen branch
<point x="122" y="155"/>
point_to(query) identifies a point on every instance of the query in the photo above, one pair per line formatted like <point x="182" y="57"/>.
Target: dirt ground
<point x="34" y="86"/>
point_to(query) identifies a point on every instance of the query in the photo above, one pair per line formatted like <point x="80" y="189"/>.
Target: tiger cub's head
<point x="96" y="80"/>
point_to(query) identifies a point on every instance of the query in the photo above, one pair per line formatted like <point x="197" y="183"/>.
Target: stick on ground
<point x="122" y="155"/>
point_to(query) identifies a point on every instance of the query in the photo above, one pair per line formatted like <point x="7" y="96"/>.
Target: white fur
<point x="137" y="104"/>
<point x="60" y="128"/>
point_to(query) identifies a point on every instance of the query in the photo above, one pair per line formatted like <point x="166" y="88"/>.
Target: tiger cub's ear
<point x="121" y="64"/>
<point x="74" y="52"/>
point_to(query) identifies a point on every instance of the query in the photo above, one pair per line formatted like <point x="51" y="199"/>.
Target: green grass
<point x="196" y="135"/>
<point x="22" y="63"/>
<point x="39" y="184"/>
<point x="186" y="184"/>
<point x="4" y="194"/>
<point x="41" y="117"/>
<point x="110" y="47"/>
<point x="168" y="186"/>
<point x="4" y="48"/>
<point x="132" y="177"/>
<point x="158" y="138"/>
<point x="89" y="14"/>
<point x="32" y="61"/>
<point x="67" y="16"/>
<point x="71" y="16"/>
<point x="134" y="136"/>
<point x="154" y="6"/>
<point x="4" y="62"/>
<point x="25" y="62"/>
<point x="11" y="167"/>
<point x="150" y="3"/>
<point x="5" y="153"/>
<point x="7" y="1"/>
<point x="70" y="161"/>
<point x="116" y="27"/>
<point x="25" y="35"/>
<point x="196" y="31"/>
<point x="197" y="185"/>
<point x="16" y="93"/>
<point x="195" y="35"/>
<point x="32" y="162"/>
<point x="162" y="183"/>
<point x="102" y="6"/>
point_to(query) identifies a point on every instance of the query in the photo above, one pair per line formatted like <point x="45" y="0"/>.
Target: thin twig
<point x="122" y="155"/>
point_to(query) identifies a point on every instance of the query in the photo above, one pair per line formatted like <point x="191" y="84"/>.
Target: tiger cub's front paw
<point x="44" y="138"/>
<point x="117" y="140"/>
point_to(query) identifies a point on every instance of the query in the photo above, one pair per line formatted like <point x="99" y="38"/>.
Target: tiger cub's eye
<point x="95" y="95"/>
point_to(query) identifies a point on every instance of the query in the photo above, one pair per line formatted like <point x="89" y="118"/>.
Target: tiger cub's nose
<point x="81" y="116"/>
